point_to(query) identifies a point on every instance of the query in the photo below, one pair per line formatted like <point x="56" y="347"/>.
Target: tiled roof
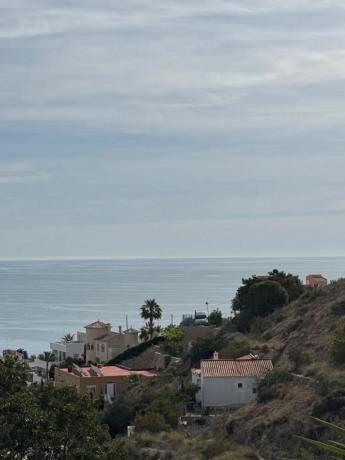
<point x="316" y="276"/>
<point x="97" y="325"/>
<point x="235" y="367"/>
<point x="112" y="371"/>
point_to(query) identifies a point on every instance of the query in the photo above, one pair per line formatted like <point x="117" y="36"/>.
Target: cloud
<point x="165" y="113"/>
<point x="20" y="173"/>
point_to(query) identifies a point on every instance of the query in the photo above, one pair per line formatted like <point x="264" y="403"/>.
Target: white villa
<point x="229" y="382"/>
<point x="74" y="349"/>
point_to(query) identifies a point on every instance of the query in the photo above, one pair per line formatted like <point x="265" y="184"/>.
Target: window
<point x="91" y="388"/>
<point x="240" y="385"/>
<point x="254" y="391"/>
<point x="103" y="348"/>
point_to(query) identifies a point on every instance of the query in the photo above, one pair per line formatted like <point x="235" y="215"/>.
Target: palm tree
<point x="48" y="357"/>
<point x="68" y="338"/>
<point x="151" y="311"/>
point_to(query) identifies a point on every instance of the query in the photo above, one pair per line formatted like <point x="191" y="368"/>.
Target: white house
<point x="229" y="382"/>
<point x="62" y="350"/>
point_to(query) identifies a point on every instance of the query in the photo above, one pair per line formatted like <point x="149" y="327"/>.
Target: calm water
<point x="40" y="301"/>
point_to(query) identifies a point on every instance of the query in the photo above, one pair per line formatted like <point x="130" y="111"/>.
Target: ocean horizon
<point x="43" y="299"/>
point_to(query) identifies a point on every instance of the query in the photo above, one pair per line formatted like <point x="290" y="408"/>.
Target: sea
<point x="42" y="300"/>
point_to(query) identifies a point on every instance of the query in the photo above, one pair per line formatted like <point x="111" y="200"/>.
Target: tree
<point x="68" y="338"/>
<point x="265" y="296"/>
<point x="291" y="283"/>
<point x="13" y="375"/>
<point x="48" y="357"/>
<point x="151" y="311"/>
<point x="51" y="422"/>
<point x="173" y="336"/>
<point x="151" y="421"/>
<point x="215" y="318"/>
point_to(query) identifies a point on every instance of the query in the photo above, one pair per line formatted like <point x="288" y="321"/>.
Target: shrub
<point x="151" y="422"/>
<point x="299" y="358"/>
<point x="204" y="348"/>
<point x="338" y="347"/>
<point x="338" y="307"/>
<point x="235" y="349"/>
<point x="264" y="297"/>
<point x="173" y="336"/>
<point x="269" y="387"/>
<point x="187" y="321"/>
<point x="215" y="318"/>
<point x="291" y="284"/>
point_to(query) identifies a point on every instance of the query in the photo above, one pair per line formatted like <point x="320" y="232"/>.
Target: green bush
<point x="215" y="318"/>
<point x="269" y="387"/>
<point x="173" y="336"/>
<point x="291" y="284"/>
<point x="203" y="348"/>
<point x="299" y="358"/>
<point x="338" y="307"/>
<point x="235" y="349"/>
<point x="338" y="347"/>
<point x="264" y="297"/>
<point x="152" y="422"/>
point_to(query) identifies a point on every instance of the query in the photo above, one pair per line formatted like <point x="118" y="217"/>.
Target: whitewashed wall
<point x="224" y="391"/>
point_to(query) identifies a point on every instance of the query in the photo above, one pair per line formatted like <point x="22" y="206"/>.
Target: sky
<point x="172" y="128"/>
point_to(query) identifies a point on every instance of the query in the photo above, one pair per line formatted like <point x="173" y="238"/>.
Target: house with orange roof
<point x="106" y="381"/>
<point x="316" y="281"/>
<point x="229" y="382"/>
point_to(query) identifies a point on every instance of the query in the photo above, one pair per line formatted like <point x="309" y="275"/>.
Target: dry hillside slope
<point x="306" y="382"/>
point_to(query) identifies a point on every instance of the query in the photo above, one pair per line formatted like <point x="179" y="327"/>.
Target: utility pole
<point x="127" y="322"/>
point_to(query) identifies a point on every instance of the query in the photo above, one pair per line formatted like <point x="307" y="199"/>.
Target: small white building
<point x="62" y="350"/>
<point x="229" y="382"/>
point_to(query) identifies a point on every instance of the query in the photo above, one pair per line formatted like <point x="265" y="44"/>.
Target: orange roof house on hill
<point x="108" y="381"/>
<point x="229" y="382"/>
<point x="316" y="280"/>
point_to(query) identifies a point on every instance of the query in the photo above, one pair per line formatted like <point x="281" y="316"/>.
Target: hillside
<point x="306" y="382"/>
<point x="298" y="338"/>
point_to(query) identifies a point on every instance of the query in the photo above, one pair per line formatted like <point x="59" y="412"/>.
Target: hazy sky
<point x="172" y="128"/>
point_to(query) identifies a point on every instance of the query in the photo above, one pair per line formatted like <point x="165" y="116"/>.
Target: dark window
<point x="254" y="390"/>
<point x="240" y="385"/>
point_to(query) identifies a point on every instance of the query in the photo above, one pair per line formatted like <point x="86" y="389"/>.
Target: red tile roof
<point x="113" y="371"/>
<point x="235" y="367"/>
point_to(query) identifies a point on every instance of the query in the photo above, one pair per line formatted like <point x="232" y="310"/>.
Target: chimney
<point x="216" y="355"/>
<point x="120" y="329"/>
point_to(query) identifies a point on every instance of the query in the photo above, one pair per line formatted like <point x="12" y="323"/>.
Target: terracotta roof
<point x="97" y="325"/>
<point x="113" y="371"/>
<point x="316" y="276"/>
<point x="235" y="367"/>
